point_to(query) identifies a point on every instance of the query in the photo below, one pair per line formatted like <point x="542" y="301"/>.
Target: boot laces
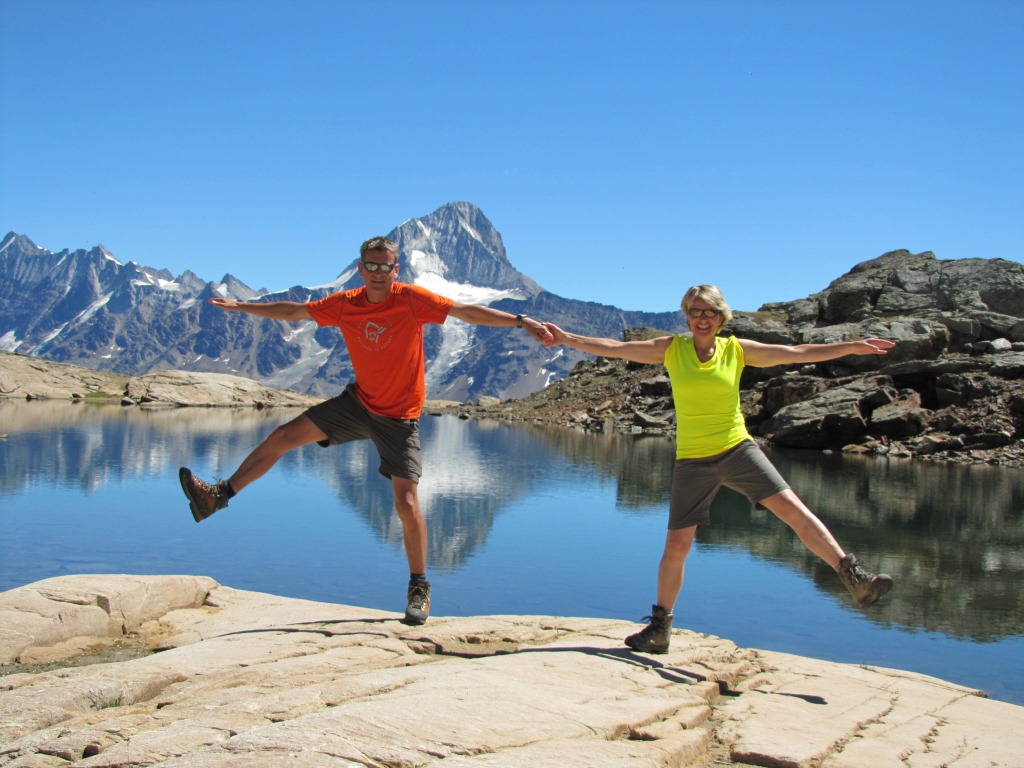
<point x="859" y="575"/>
<point x="217" y="488"/>
<point x="418" y="595"/>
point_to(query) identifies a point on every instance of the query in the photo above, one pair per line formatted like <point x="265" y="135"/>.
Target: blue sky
<point x="624" y="150"/>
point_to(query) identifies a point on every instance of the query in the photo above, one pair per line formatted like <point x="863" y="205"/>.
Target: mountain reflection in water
<point x="529" y="519"/>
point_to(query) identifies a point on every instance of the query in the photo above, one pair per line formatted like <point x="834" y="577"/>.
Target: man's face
<point x="378" y="280"/>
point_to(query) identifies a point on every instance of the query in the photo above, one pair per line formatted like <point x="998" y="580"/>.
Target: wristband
<point x="519" y="321"/>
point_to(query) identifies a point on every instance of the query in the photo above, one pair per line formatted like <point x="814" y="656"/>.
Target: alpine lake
<point x="530" y="520"/>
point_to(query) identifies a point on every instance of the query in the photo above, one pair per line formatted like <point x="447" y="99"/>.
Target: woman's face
<point x="708" y="320"/>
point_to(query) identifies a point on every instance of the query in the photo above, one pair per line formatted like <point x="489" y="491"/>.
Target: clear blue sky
<point x="624" y="149"/>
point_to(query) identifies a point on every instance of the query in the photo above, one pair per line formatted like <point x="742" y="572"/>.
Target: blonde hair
<point x="711" y="296"/>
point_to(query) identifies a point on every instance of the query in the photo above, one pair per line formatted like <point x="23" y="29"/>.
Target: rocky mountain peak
<point x="458" y="243"/>
<point x="20" y="244"/>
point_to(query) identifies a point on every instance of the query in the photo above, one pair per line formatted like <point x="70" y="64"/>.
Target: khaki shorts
<point x="344" y="418"/>
<point x="695" y="482"/>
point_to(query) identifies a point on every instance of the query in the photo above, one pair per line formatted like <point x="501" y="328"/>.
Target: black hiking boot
<point x="203" y="498"/>
<point x="654" y="638"/>
<point x="865" y="586"/>
<point x="418" y="610"/>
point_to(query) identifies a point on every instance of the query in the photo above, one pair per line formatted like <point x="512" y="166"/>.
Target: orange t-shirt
<point x="385" y="343"/>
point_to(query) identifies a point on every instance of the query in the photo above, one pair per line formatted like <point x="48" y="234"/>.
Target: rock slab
<point x="244" y="678"/>
<point x="32" y="378"/>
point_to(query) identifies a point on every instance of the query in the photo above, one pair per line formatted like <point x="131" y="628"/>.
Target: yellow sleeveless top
<point x="707" y="397"/>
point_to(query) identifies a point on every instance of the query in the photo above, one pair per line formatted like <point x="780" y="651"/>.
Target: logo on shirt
<point x="374" y="336"/>
<point x="373" y="332"/>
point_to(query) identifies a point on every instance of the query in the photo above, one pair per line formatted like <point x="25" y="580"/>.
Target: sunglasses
<point x="695" y="313"/>
<point x="371" y="266"/>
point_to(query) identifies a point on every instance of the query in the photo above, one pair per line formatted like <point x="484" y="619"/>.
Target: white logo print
<point x="373" y="332"/>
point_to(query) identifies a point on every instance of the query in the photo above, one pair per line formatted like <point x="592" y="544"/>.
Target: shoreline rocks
<point x="955" y="409"/>
<point x="32" y="378"/>
<point x="248" y="678"/>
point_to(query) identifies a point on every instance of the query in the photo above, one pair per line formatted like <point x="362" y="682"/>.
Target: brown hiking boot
<point x="865" y="587"/>
<point x="419" y="603"/>
<point x="203" y="498"/>
<point x="654" y="638"/>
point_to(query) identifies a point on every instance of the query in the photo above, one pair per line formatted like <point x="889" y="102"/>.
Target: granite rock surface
<point x="222" y="677"/>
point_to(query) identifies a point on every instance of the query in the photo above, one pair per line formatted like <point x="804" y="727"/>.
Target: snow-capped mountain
<point x="90" y="309"/>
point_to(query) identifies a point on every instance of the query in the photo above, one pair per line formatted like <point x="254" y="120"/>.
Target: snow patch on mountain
<point x="314" y="356"/>
<point x="51" y="336"/>
<point x="9" y="342"/>
<point x="336" y="284"/>
<point x="465" y="293"/>
<point x="457" y="337"/>
<point x="91" y="310"/>
<point x="164" y="285"/>
<point x="422" y="264"/>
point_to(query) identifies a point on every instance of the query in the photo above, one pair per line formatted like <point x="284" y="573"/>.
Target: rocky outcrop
<point x="956" y="408"/>
<point x="242" y="678"/>
<point x="951" y="389"/>
<point x="31" y="378"/>
<point x="57" y="617"/>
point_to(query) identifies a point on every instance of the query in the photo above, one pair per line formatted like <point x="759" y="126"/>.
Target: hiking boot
<point x="865" y="587"/>
<point x="203" y="498"/>
<point x="418" y="610"/>
<point x="653" y="638"/>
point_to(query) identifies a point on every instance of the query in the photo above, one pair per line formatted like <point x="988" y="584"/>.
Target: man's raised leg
<point x="206" y="498"/>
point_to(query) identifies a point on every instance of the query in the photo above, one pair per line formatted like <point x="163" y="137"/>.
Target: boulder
<point x="902" y="417"/>
<point x="830" y="419"/>
<point x="50" y="614"/>
<point x="656" y="386"/>
<point x="915" y="338"/>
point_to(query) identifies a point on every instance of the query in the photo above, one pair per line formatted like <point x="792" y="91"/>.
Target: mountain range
<point x="91" y="309"/>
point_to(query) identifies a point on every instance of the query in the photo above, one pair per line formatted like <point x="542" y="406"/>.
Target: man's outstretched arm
<point x="292" y="311"/>
<point x="478" y="315"/>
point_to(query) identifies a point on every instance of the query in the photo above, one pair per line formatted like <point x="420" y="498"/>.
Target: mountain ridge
<point x="89" y="308"/>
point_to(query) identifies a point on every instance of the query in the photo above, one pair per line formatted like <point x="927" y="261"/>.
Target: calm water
<point x="528" y="520"/>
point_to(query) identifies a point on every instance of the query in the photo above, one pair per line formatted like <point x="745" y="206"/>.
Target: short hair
<point x="379" y="244"/>
<point x="711" y="296"/>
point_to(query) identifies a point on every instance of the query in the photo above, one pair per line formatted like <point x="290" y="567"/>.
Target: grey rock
<point x="1001" y="345"/>
<point x="656" y="386"/>
<point x="642" y="419"/>
<point x="901" y="418"/>
<point x="830" y="419"/>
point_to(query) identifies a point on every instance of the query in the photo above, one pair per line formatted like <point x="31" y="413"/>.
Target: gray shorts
<point x="695" y="482"/>
<point x="344" y="418"/>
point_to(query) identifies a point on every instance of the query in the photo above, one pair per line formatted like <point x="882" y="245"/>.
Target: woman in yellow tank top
<point x="714" y="449"/>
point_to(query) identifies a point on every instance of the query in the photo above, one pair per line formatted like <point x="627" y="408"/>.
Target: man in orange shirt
<point x="382" y="324"/>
